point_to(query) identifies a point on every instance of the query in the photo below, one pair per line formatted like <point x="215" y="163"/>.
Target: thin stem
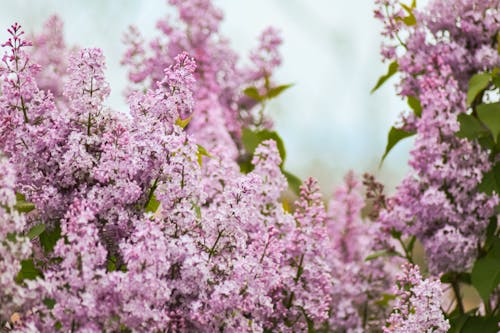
<point x="458" y="297"/>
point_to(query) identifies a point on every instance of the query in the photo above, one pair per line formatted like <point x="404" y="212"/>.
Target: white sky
<point x="329" y="121"/>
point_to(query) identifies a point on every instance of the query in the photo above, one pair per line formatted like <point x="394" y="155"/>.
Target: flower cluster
<point x="14" y="246"/>
<point x="418" y="305"/>
<point x="148" y="222"/>
<point x="438" y="202"/>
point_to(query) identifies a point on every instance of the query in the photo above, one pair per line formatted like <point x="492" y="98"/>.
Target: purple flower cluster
<point x="418" y="305"/>
<point x="437" y="51"/>
<point x="149" y="223"/>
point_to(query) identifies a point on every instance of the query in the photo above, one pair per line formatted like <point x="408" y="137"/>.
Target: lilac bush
<point x="177" y="215"/>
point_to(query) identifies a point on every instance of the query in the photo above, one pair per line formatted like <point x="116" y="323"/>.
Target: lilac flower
<point x="418" y="305"/>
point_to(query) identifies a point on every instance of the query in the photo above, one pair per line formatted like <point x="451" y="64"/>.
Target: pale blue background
<point x="329" y="120"/>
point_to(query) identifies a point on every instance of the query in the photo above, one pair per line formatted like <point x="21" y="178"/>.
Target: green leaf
<point x="485" y="275"/>
<point x="477" y="83"/>
<point x="410" y="19"/>
<point x="414" y="104"/>
<point x="470" y="127"/>
<point x="253" y="93"/>
<point x="294" y="182"/>
<point x="385" y="300"/>
<point x="252" y="139"/>
<point x="378" y="254"/>
<point x="28" y="271"/>
<point x="393" y="68"/>
<point x="451" y="277"/>
<point x="152" y="205"/>
<point x="476" y="324"/>
<point x="35" y="231"/>
<point x="491" y="181"/>
<point x="395" y="135"/>
<point x="49" y="303"/>
<point x="182" y="123"/>
<point x="202" y="152"/>
<point x="49" y="238"/>
<point x="276" y="91"/>
<point x="498" y="42"/>
<point x="197" y="210"/>
<point x="489" y="114"/>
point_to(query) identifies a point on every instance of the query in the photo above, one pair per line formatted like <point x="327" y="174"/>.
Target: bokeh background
<point x="329" y="120"/>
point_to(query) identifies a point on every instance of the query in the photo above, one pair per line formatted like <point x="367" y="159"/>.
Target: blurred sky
<point x="329" y="121"/>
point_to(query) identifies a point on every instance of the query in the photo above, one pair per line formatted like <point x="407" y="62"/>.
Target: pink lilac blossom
<point x="14" y="247"/>
<point x="438" y="201"/>
<point x="360" y="284"/>
<point x="220" y="105"/>
<point x="155" y="236"/>
<point x="417" y="307"/>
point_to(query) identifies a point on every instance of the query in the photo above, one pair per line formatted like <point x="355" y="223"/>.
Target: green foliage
<point x="251" y="140"/>
<point x="253" y="93"/>
<point x="23" y="206"/>
<point x="270" y="93"/>
<point x="202" y="152"/>
<point x="477" y="84"/>
<point x="489" y="114"/>
<point x="393" y="68"/>
<point x="414" y="104"/>
<point x="410" y="19"/>
<point x="49" y="302"/>
<point x="475" y="324"/>
<point x="491" y="181"/>
<point x="485" y="274"/>
<point x="276" y="91"/>
<point x="395" y="135"/>
<point x="28" y="271"/>
<point x="379" y="254"/>
<point x="35" y="231"/>
<point x="182" y="123"/>
<point x="294" y="182"/>
<point x="152" y="204"/>
<point x="470" y="127"/>
<point x="49" y="238"/>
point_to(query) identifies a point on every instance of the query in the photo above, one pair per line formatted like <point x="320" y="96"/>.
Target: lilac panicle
<point x="418" y="305"/>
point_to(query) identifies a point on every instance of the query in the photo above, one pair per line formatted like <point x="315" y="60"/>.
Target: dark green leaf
<point x="451" y="277"/>
<point x="294" y="182"/>
<point x="480" y="324"/>
<point x="251" y="140"/>
<point x="276" y="91"/>
<point x="485" y="275"/>
<point x="395" y="135"/>
<point x="152" y="205"/>
<point x="253" y="93"/>
<point x="489" y="114"/>
<point x="28" y="271"/>
<point x="457" y="322"/>
<point x="477" y="83"/>
<point x="49" y="303"/>
<point x="491" y="181"/>
<point x="414" y="104"/>
<point x="49" y="238"/>
<point x="470" y="127"/>
<point x="36" y="230"/>
<point x="393" y="68"/>
<point x="111" y="266"/>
